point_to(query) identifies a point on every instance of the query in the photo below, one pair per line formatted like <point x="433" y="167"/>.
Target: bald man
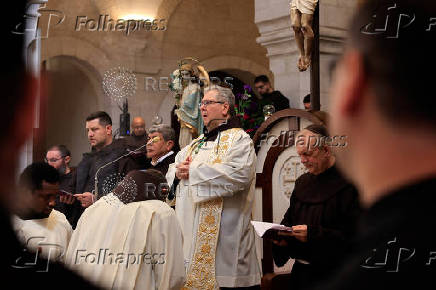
<point x="137" y="138"/>
<point x="138" y="127"/>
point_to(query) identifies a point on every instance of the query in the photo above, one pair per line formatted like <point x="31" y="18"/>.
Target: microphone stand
<point x="109" y="163"/>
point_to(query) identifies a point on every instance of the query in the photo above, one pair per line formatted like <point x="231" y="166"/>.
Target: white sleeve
<point x="232" y="175"/>
<point x="167" y="250"/>
<point x="171" y="173"/>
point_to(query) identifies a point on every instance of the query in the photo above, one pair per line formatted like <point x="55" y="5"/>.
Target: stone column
<point x="32" y="56"/>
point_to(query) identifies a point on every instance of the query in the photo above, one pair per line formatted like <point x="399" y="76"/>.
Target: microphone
<point x="111" y="162"/>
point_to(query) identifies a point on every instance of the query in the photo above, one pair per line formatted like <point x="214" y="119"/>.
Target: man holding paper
<point x="322" y="213"/>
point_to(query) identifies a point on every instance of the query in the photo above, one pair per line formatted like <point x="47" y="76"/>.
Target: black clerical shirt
<point x="276" y="99"/>
<point x="164" y="164"/>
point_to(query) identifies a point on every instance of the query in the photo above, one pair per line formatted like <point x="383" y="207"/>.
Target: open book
<point x="261" y="228"/>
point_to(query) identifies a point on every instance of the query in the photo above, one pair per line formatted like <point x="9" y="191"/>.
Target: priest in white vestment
<point x="130" y="239"/>
<point x="48" y="237"/>
<point x="214" y="178"/>
<point x="41" y="229"/>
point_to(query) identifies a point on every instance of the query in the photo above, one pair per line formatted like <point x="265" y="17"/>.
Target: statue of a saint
<point x="301" y="20"/>
<point x="189" y="93"/>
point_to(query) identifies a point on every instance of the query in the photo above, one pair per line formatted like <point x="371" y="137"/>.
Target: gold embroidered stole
<point x="201" y="274"/>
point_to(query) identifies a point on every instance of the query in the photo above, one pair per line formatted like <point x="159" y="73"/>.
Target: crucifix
<point x="305" y="23"/>
<point x="302" y="12"/>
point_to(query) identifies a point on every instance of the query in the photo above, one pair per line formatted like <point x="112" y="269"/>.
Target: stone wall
<point x="221" y="34"/>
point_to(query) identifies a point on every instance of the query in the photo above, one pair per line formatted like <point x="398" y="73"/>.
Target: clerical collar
<point x="233" y="122"/>
<point x="162" y="158"/>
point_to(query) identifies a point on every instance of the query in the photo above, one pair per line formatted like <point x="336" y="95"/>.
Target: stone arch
<point x="229" y="62"/>
<point x="167" y="7"/>
<point x="223" y="63"/>
<point x="74" y="93"/>
<point x="83" y="50"/>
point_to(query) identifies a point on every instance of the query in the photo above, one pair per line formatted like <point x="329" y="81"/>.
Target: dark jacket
<point x="165" y="164"/>
<point x="276" y="99"/>
<point x="71" y="211"/>
<point x="329" y="206"/>
<point x="395" y="246"/>
<point x="111" y="171"/>
<point x="134" y="142"/>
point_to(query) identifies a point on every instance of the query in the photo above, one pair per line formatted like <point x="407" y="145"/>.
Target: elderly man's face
<point x="213" y="109"/>
<point x="157" y="146"/>
<point x="314" y="157"/>
<point x="138" y="127"/>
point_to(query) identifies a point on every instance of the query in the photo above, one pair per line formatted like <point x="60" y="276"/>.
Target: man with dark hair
<point x="306" y="102"/>
<point x="40" y="181"/>
<point x="268" y="96"/>
<point x="59" y="157"/>
<point x="323" y="211"/>
<point x="99" y="129"/>
<point x="38" y="224"/>
<point x="383" y="101"/>
<point x="102" y="165"/>
<point x="19" y="91"/>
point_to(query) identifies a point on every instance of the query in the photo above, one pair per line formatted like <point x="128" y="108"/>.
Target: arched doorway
<point x="73" y="94"/>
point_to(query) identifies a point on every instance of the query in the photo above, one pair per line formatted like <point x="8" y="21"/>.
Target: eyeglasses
<point x="52" y="160"/>
<point x="206" y="103"/>
<point x="153" y="140"/>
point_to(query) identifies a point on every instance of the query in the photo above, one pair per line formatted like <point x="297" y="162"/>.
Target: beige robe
<point x="128" y="246"/>
<point x="304" y="6"/>
<point x="223" y="172"/>
<point x="49" y="236"/>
